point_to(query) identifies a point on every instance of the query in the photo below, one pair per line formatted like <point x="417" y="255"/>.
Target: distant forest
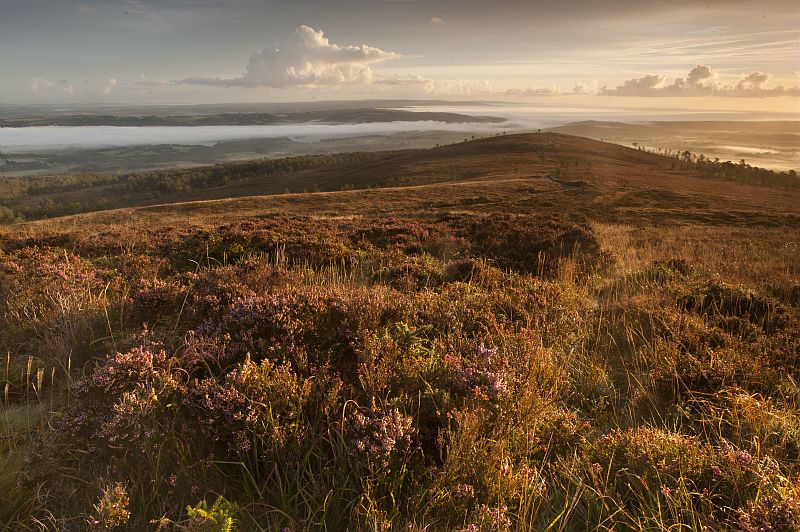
<point x="18" y="194"/>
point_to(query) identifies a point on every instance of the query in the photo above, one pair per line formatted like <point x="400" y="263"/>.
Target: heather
<point x="553" y="335"/>
<point x="454" y="372"/>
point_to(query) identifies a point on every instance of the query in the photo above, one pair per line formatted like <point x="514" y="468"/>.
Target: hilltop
<point x="512" y="173"/>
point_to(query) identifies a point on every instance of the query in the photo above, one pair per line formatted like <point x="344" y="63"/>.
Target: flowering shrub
<point x="51" y="299"/>
<point x="121" y="401"/>
<point x="379" y="436"/>
<point x="486" y="374"/>
<point x="771" y="513"/>
<point x="644" y="464"/>
<point x="111" y="511"/>
<point x="452" y="372"/>
<point x="153" y="298"/>
<point x="256" y="405"/>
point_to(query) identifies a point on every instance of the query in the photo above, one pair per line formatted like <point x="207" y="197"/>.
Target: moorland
<point x="533" y="331"/>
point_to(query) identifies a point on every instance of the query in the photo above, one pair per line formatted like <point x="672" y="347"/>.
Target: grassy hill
<point x="512" y="333"/>
<point x="589" y="170"/>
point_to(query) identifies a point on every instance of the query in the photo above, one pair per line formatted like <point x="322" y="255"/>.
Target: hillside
<point x="596" y="176"/>
<point x="524" y="332"/>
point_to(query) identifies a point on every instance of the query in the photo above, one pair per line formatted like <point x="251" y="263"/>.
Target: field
<point x="523" y="332"/>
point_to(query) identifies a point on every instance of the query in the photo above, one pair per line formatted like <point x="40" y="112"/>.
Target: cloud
<point x="144" y="83"/>
<point x="40" y="84"/>
<point x="532" y="91"/>
<point x="700" y="81"/>
<point x="402" y="80"/>
<point x="647" y="85"/>
<point x="110" y="84"/>
<point x="755" y="84"/>
<point x="437" y="20"/>
<point x="699" y="74"/>
<point x="439" y="87"/>
<point x="308" y="59"/>
<point x="46" y="85"/>
<point x="586" y="88"/>
<point x="458" y="87"/>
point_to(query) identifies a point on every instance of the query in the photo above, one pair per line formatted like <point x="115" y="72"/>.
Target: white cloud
<point x="437" y="20"/>
<point x="110" y="84"/>
<point x="46" y="85"/>
<point x="40" y="84"/>
<point x="66" y="87"/>
<point x="308" y="59"/>
<point x="756" y="84"/>
<point x="700" y="81"/>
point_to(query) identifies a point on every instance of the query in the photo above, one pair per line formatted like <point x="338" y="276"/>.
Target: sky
<point x="704" y="54"/>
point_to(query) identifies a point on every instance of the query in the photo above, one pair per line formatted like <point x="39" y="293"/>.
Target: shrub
<point x="219" y="517"/>
<point x="111" y="511"/>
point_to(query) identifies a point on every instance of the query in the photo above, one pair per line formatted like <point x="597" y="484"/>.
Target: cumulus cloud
<point x="40" y="84"/>
<point x="46" y="85"/>
<point x="699" y="74"/>
<point x="307" y="59"/>
<point x="110" y="84"/>
<point x="757" y="84"/>
<point x="646" y="85"/>
<point x="700" y="81"/>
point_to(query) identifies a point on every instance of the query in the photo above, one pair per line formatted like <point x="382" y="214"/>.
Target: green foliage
<point x="7" y="215"/>
<point x="219" y="517"/>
